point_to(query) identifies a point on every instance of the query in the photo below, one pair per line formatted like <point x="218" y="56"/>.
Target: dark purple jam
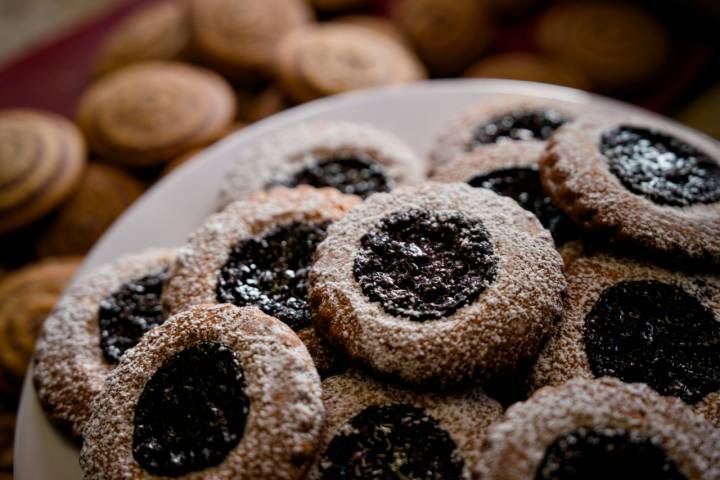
<point x="518" y="125"/>
<point x="353" y="175"/>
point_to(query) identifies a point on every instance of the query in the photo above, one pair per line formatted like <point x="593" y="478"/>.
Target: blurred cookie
<point x="334" y="6"/>
<point x="448" y="36"/>
<point x="42" y="157"/>
<point x="376" y="23"/>
<point x="703" y="113"/>
<point x="103" y="194"/>
<point x="158" y="31"/>
<point x="150" y="112"/>
<point x="616" y="45"/>
<point x="528" y="67"/>
<point x="334" y="58"/>
<point x="239" y="37"/>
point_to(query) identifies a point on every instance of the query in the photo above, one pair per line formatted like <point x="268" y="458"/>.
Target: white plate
<point x="178" y="204"/>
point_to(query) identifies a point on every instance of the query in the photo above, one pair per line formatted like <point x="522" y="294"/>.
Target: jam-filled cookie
<point x="378" y="431"/>
<point x="216" y="392"/>
<point x="501" y="122"/>
<point x="644" y="182"/>
<point x="354" y="158"/>
<point x="600" y="429"/>
<point x="101" y="317"/>
<point x="437" y="284"/>
<point x="640" y="323"/>
<point x="150" y="112"/>
<point x="42" y="156"/>
<point x="333" y="58"/>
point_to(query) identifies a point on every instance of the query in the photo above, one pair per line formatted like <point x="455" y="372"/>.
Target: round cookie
<point x="42" y="156"/>
<point x="645" y="182"/>
<point x="355" y="158"/>
<point x="333" y="58"/>
<point x="102" y="316"/>
<point x="616" y="45"/>
<point x="104" y="193"/>
<point x="600" y="429"/>
<point x="376" y="430"/>
<point x="158" y="31"/>
<point x="239" y="37"/>
<point x="437" y="284"/>
<point x="216" y="392"/>
<point x="448" y="36"/>
<point x="500" y="122"/>
<point x="640" y="323"/>
<point x="150" y="112"/>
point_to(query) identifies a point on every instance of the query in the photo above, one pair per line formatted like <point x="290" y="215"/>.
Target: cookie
<point x="42" y="156"/>
<point x="239" y="38"/>
<point x="616" y="45"/>
<point x="702" y="113"/>
<point x="600" y="429"/>
<point x="150" y="112"/>
<point x="354" y="158"/>
<point x="647" y="183"/>
<point x="103" y="194"/>
<point x="100" y="318"/>
<point x="437" y="284"/>
<point x="448" y="36"/>
<point x="376" y="23"/>
<point x="376" y="430"/>
<point x="640" y="323"/>
<point x="333" y="58"/>
<point x="528" y="67"/>
<point x="158" y="31"/>
<point x="216" y="392"/>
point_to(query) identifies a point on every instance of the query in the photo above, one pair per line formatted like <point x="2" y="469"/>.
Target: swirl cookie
<point x="645" y="182"/>
<point x="437" y="284"/>
<point x="216" y="392"/>
<point x="101" y="317"/>
<point x="593" y="429"/>
<point x="158" y="31"/>
<point x="150" y="112"/>
<point x="42" y="156"/>
<point x="354" y="158"/>
<point x="333" y="58"/>
<point x="103" y="194"/>
<point x="640" y="323"/>
<point x="378" y="431"/>
<point x="239" y="38"/>
<point x="616" y="45"/>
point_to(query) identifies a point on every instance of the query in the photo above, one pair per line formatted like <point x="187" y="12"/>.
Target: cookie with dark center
<point x="418" y="283"/>
<point x="100" y="318"/>
<point x="376" y="430"/>
<point x="647" y="183"/>
<point x="639" y="323"/>
<point x="603" y="428"/>
<point x="354" y="158"/>
<point x="216" y="392"/>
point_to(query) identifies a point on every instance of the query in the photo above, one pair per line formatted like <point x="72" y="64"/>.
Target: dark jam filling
<point x="518" y="125"/>
<point x="192" y="411"/>
<point x="523" y="185"/>
<point x="655" y="333"/>
<point x="606" y="454"/>
<point x="425" y="265"/>
<point x="397" y="441"/>
<point x="128" y="313"/>
<point x="661" y="168"/>
<point x="271" y="272"/>
<point x="350" y="175"/>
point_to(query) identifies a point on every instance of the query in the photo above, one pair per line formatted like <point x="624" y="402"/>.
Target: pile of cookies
<point x="538" y="299"/>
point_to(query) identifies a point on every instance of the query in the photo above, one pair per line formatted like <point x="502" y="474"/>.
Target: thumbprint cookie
<point x="217" y="392"/>
<point x="377" y="431"/>
<point x="42" y="156"/>
<point x="600" y="429"/>
<point x="101" y="317"/>
<point x="644" y="182"/>
<point x="437" y="284"/>
<point x="354" y="158"/>
<point x="639" y="323"/>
